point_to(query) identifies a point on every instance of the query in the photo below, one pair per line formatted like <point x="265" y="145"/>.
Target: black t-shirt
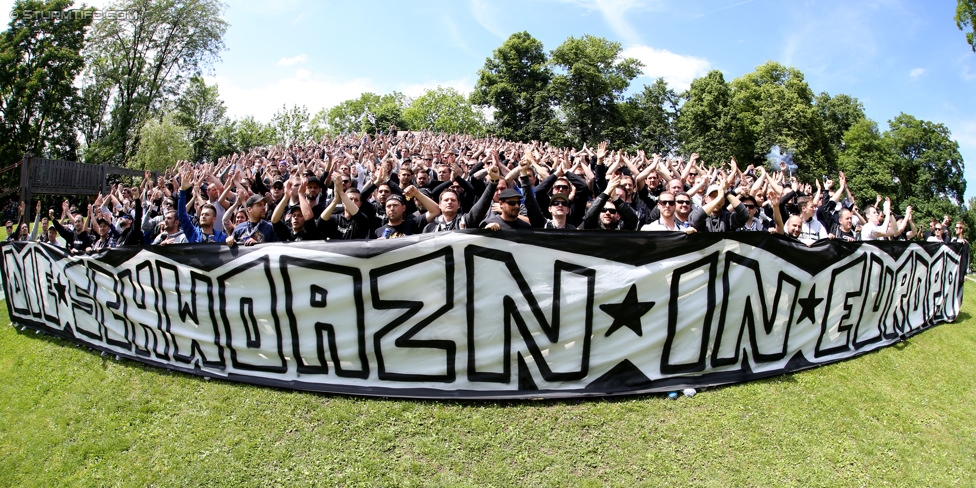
<point x="413" y="224"/>
<point x="341" y="228"/>
<point x="515" y="224"/>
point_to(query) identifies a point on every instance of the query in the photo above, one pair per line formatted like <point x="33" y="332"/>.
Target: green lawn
<point x="903" y="416"/>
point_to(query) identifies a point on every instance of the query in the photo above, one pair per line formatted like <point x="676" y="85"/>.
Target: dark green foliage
<point x="589" y="85"/>
<point x="516" y="83"/>
<point x="40" y="56"/>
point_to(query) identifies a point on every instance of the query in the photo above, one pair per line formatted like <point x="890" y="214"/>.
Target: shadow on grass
<point x="783" y="378"/>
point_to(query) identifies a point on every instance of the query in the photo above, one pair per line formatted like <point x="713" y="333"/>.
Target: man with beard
<point x="299" y="229"/>
<point x="171" y="233"/>
<point x="450" y="206"/>
<point x="205" y="232"/>
<point x="666" y="222"/>
<point x="77" y="239"/>
<point x="712" y="216"/>
<point x="510" y="204"/>
<point x="398" y="224"/>
<point x="844" y="229"/>
<point x="255" y="230"/>
<point x="610" y="215"/>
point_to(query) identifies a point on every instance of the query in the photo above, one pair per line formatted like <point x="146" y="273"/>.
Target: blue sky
<point x="894" y="56"/>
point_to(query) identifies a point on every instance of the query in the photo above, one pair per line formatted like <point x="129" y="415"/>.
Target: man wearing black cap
<point x="559" y="208"/>
<point x="105" y="238"/>
<point x="712" y="215"/>
<point x="256" y="230"/>
<point x="313" y="190"/>
<point x="300" y="228"/>
<point x="398" y="224"/>
<point x="511" y="202"/>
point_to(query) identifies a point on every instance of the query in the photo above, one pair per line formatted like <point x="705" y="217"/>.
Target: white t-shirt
<point x="868" y="230"/>
<point x="659" y="225"/>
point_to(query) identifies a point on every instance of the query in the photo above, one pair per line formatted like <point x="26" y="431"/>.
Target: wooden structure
<point x="41" y="176"/>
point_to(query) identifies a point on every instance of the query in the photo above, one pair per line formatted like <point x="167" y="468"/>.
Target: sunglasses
<point x="692" y="174"/>
<point x="750" y="207"/>
<point x="560" y="187"/>
<point x="611" y="211"/>
<point x="512" y="202"/>
<point x="559" y="203"/>
<point x="666" y="203"/>
<point x="682" y="202"/>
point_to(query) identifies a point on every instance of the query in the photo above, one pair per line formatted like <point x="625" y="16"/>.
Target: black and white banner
<point x="474" y="314"/>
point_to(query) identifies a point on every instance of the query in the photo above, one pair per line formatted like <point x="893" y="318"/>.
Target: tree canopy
<point x="516" y="83"/>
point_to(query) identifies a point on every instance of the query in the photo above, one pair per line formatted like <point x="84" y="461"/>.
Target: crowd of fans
<point x="398" y="184"/>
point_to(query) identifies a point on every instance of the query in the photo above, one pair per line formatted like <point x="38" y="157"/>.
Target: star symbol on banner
<point x="627" y="313"/>
<point x="808" y="306"/>
<point x="61" y="289"/>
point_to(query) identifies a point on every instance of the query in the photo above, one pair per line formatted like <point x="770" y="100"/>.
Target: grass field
<point x="903" y="416"/>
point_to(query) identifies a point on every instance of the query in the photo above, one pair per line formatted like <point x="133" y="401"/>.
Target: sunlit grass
<point x="901" y="416"/>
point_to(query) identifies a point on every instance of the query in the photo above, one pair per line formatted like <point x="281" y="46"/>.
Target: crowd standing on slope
<point x="398" y="184"/>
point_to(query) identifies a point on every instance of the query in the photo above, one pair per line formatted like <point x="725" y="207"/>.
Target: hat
<point x="278" y="183"/>
<point x="509" y="193"/>
<point x="253" y="200"/>
<point x="712" y="189"/>
<point x="315" y="180"/>
<point x="559" y="196"/>
<point x="125" y="216"/>
<point x="399" y="198"/>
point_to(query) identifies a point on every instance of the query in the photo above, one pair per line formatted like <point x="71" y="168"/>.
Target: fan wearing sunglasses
<point x="610" y="215"/>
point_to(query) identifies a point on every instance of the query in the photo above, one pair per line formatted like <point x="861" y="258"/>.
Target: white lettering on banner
<point x="459" y="314"/>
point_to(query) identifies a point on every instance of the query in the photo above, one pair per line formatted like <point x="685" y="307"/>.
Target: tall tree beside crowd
<point x="40" y="58"/>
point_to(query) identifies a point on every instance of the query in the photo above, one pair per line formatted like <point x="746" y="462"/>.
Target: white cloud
<point x="915" y="73"/>
<point x="290" y="61"/>
<point x="302" y="88"/>
<point x="678" y="70"/>
<point x="614" y="13"/>
<point x="484" y="14"/>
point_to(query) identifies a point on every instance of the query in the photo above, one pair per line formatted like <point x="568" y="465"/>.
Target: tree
<point x="240" y="136"/>
<point x="444" y="109"/>
<point x="40" y="56"/>
<point x="774" y="106"/>
<point x="867" y="161"/>
<point x="354" y="115"/>
<point x="515" y="81"/>
<point x="839" y="114"/>
<point x="928" y="168"/>
<point x="291" y="126"/>
<point x="966" y="20"/>
<point x="200" y="110"/>
<point x="591" y="80"/>
<point x="653" y="115"/>
<point x="139" y="60"/>
<point x="707" y="123"/>
<point x="164" y="143"/>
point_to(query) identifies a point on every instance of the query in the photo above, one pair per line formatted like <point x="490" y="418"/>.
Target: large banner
<point x="475" y="314"/>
